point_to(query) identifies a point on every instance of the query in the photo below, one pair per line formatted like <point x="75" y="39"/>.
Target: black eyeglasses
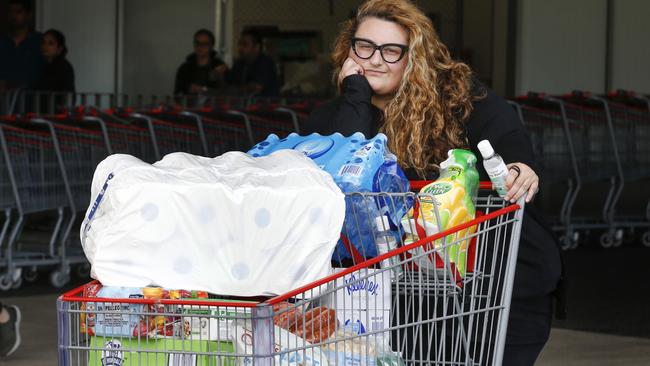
<point x="390" y="52"/>
<point x="202" y="44"/>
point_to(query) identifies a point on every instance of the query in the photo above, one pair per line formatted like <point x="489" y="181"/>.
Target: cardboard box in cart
<point x="364" y="304"/>
<point x="213" y="323"/>
<point x="122" y="351"/>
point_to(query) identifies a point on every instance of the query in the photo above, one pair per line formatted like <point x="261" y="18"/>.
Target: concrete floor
<point x="566" y="347"/>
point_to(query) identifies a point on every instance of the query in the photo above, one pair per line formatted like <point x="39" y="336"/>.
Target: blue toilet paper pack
<point x="357" y="164"/>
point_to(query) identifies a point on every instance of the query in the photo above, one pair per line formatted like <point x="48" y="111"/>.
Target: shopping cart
<point x="268" y="119"/>
<point x="124" y="136"/>
<point x="82" y="145"/>
<point x="32" y="178"/>
<point x="225" y="130"/>
<point x="630" y="115"/>
<point x="383" y="311"/>
<point x="170" y="136"/>
<point x="599" y="162"/>
<point x="554" y="139"/>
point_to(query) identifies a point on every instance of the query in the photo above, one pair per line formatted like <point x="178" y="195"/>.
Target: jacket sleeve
<point x="356" y="104"/>
<point x="68" y="78"/>
<point x="351" y="112"/>
<point x="182" y="83"/>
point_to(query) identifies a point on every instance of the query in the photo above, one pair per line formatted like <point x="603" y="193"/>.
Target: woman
<point x="58" y="74"/>
<point x="396" y="77"/>
<point x="198" y="73"/>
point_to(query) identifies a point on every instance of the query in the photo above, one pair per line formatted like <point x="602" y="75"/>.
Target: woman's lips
<point x="374" y="72"/>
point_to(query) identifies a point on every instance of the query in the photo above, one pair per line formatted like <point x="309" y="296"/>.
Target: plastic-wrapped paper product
<point x="288" y="346"/>
<point x="357" y="164"/>
<point x="231" y="225"/>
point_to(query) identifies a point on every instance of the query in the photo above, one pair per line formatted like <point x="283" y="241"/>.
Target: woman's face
<point x="50" y="47"/>
<point x="202" y="45"/>
<point x="384" y="78"/>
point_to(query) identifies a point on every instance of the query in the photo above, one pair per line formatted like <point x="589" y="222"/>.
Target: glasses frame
<point x="404" y="49"/>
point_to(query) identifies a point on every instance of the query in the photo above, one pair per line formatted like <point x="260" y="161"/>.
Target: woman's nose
<point x="376" y="58"/>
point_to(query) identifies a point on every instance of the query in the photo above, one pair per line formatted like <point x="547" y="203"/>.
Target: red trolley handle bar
<point x="73" y="296"/>
<point x="392" y="253"/>
<point x="419" y="184"/>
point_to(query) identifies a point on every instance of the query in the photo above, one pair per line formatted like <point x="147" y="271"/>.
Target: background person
<point x="253" y="72"/>
<point x="198" y="73"/>
<point x="20" y="49"/>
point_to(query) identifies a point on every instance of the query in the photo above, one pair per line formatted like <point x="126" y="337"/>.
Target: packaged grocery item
<point x="230" y="225"/>
<point x="314" y="325"/>
<point x="364" y="302"/>
<point x="285" y="341"/>
<point x="351" y="349"/>
<point x="212" y="323"/>
<point x="154" y="320"/>
<point x="454" y="194"/>
<point x="87" y="317"/>
<point x="115" y="319"/>
<point x="357" y="164"/>
<point x="119" y="351"/>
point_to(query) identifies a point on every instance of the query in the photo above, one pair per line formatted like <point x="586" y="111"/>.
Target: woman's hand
<point x="349" y="68"/>
<point x="521" y="180"/>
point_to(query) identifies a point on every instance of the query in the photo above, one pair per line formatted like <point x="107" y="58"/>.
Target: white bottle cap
<point x="485" y="148"/>
<point x="382" y="222"/>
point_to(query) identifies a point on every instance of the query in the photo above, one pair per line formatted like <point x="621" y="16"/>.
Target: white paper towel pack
<point x="231" y="225"/>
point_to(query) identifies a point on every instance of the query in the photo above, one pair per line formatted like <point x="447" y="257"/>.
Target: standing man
<point x="253" y="72"/>
<point x="21" y="62"/>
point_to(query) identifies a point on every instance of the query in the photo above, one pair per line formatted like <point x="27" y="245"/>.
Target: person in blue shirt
<point x="254" y="72"/>
<point x="21" y="62"/>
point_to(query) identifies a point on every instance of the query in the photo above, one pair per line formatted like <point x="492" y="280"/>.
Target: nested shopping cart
<point x="385" y="310"/>
<point x="599" y="160"/>
<point x="555" y="141"/>
<point x="32" y="182"/>
<point x="630" y="114"/>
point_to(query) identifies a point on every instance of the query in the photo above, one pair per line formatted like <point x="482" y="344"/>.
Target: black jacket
<point x="57" y="75"/>
<point x="192" y="73"/>
<point x="538" y="264"/>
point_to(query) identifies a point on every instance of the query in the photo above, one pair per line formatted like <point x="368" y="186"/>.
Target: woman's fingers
<point x="521" y="181"/>
<point x="532" y="191"/>
<point x="349" y="68"/>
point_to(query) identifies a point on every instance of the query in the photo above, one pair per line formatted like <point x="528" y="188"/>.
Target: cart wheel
<point x="619" y="235"/>
<point x="82" y="270"/>
<point x="606" y="240"/>
<point x="565" y="242"/>
<point x="30" y="274"/>
<point x="59" y="278"/>
<point x="17" y="282"/>
<point x="645" y="239"/>
<point x="5" y="282"/>
<point x="575" y="240"/>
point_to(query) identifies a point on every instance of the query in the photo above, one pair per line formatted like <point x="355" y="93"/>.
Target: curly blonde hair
<point x="426" y="116"/>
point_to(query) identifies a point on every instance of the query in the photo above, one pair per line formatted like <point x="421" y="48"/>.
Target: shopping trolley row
<point x="24" y="101"/>
<point x="47" y="164"/>
<point x="387" y="310"/>
<point x="595" y="151"/>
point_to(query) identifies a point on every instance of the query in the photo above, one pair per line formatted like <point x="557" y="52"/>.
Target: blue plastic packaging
<point x="356" y="164"/>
